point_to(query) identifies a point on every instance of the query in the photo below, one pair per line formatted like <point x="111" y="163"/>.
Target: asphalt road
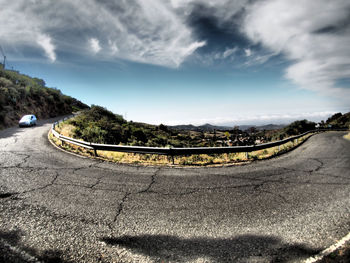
<point x="56" y="207"/>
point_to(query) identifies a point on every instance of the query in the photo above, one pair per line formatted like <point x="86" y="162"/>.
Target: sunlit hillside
<point x="21" y="94"/>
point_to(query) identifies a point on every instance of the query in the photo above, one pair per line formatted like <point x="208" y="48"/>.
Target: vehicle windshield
<point x="26" y="118"/>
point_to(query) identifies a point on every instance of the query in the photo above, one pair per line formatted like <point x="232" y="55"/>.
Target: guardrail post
<point x="95" y="152"/>
<point x="246" y="155"/>
<point x="171" y="156"/>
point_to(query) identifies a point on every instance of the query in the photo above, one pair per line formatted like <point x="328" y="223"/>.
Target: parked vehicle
<point x="27" y="120"/>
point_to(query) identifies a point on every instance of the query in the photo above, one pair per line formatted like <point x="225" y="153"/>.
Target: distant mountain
<point x="184" y="127"/>
<point x="210" y="127"/>
<point x="270" y="127"/>
<point x="204" y="127"/>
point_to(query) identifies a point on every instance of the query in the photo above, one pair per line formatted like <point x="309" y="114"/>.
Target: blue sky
<point x="188" y="61"/>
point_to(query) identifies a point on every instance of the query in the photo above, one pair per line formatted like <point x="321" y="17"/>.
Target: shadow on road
<point x="245" y="248"/>
<point x="12" y="250"/>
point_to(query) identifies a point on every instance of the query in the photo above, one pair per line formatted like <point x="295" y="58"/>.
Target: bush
<point x="93" y="134"/>
<point x="339" y="120"/>
<point x="299" y="127"/>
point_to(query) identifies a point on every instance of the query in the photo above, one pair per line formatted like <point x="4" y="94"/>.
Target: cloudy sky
<point x="187" y="61"/>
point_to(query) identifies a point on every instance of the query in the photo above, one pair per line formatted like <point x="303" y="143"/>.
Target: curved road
<point x="56" y="207"/>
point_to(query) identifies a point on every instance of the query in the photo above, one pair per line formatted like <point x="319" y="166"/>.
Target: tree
<point x="162" y="127"/>
<point x="333" y="118"/>
<point x="40" y="82"/>
<point x="140" y="135"/>
<point x="299" y="127"/>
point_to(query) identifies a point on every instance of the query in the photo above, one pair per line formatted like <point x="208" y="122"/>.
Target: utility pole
<point x="3" y="54"/>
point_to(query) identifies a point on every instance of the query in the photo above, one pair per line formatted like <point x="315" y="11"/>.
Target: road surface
<point x="56" y="207"/>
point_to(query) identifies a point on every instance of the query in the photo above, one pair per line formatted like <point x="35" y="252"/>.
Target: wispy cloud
<point x="45" y="42"/>
<point x="313" y="35"/>
<point x="137" y="30"/>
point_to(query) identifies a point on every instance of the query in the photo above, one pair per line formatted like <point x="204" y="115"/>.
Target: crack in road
<point x="257" y="179"/>
<point x="90" y="186"/>
<point x="42" y="187"/>
<point x="320" y="166"/>
<point x="98" y="181"/>
<point x="126" y="196"/>
<point x="153" y="181"/>
<point x="273" y="193"/>
<point x="260" y="182"/>
<point x="6" y="195"/>
<point x="119" y="210"/>
<point x="23" y="161"/>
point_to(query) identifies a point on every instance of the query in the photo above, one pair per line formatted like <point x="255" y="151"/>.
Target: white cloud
<point x="138" y="30"/>
<point x="94" y="45"/>
<point x="229" y="52"/>
<point x="45" y="42"/>
<point x="113" y="47"/>
<point x="294" y="28"/>
<point x="216" y="57"/>
<point x="254" y="119"/>
<point x="157" y="32"/>
<point x="248" y="52"/>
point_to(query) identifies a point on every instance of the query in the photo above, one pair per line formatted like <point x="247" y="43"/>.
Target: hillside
<point x="102" y="126"/>
<point x="21" y="94"/>
<point x="338" y="120"/>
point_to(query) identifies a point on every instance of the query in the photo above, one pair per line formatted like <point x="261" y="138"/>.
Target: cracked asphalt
<point x="56" y="207"/>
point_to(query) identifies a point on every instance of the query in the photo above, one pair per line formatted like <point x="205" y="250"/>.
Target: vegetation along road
<point x="57" y="207"/>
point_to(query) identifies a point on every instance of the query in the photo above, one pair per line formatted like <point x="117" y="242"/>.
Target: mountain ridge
<point x="210" y="127"/>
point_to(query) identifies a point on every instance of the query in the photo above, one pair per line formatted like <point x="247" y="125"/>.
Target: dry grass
<point x="67" y="130"/>
<point x="347" y="136"/>
<point x="193" y="160"/>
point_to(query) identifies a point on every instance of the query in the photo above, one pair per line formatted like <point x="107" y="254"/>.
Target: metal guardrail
<point x="176" y="151"/>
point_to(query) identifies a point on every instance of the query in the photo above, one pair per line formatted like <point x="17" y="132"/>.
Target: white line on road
<point x="329" y="250"/>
